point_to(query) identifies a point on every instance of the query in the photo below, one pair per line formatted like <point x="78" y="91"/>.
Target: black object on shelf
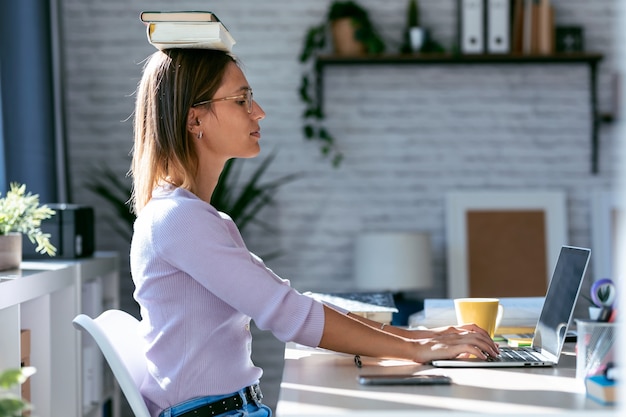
<point x="71" y="232"/>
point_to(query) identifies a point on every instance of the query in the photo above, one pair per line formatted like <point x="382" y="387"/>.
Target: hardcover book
<point x="207" y="35"/>
<point x="178" y="16"/>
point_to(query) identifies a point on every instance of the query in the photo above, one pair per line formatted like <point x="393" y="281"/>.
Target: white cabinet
<point x="44" y="297"/>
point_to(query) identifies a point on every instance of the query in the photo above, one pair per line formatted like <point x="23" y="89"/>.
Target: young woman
<point x="197" y="285"/>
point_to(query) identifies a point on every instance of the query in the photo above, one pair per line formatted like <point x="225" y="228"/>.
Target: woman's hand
<point x="455" y="342"/>
<point x="360" y="336"/>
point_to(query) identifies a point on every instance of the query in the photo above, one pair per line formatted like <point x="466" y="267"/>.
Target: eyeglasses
<point x="246" y="97"/>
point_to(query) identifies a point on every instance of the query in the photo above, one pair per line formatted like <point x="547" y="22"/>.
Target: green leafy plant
<point x="20" y="212"/>
<point x="365" y="32"/>
<point x="240" y="198"/>
<point x="315" y="41"/>
<point x="12" y="405"/>
<point x="413" y="14"/>
<point x="116" y="191"/>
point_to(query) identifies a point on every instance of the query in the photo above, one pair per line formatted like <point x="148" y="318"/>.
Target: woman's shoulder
<point x="175" y="201"/>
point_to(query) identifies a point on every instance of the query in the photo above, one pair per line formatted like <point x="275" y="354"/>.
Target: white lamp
<point x="393" y="261"/>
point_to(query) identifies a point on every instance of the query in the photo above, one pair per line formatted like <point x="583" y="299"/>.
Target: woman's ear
<point x="193" y="120"/>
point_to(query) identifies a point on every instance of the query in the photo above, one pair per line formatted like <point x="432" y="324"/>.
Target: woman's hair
<point x="173" y="80"/>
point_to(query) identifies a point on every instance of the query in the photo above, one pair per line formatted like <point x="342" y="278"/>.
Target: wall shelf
<point x="589" y="59"/>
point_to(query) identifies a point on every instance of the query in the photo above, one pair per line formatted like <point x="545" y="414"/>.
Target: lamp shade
<point x="393" y="261"/>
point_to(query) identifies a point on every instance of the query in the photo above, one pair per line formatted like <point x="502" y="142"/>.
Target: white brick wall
<point x="409" y="134"/>
<point x="433" y="128"/>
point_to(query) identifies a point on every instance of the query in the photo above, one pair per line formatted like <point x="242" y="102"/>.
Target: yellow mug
<point x="486" y="313"/>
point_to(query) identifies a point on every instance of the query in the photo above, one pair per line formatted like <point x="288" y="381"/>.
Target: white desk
<point x="322" y="383"/>
<point x="44" y="297"/>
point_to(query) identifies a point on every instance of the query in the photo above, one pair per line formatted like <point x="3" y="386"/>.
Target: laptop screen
<point x="560" y="299"/>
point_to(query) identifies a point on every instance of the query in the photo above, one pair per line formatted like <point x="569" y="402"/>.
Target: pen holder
<point x="595" y="347"/>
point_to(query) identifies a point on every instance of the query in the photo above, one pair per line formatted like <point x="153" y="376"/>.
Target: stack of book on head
<point x="186" y="29"/>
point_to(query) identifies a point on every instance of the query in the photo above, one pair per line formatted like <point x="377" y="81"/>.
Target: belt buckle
<point x="255" y="393"/>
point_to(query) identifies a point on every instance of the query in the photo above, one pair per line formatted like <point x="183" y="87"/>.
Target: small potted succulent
<point x="602" y="296"/>
<point x="21" y="214"/>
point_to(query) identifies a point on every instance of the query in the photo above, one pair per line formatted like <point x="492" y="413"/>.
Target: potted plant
<point x="21" y="214"/>
<point x="602" y="296"/>
<point x="12" y="405"/>
<point x="353" y="34"/>
<point x="414" y="34"/>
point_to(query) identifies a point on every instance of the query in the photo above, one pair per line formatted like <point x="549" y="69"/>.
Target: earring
<point x="200" y="134"/>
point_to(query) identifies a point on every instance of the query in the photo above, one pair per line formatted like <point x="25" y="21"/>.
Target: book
<point x="535" y="27"/>
<point x="545" y="28"/>
<point x="376" y="306"/>
<point x="178" y="16"/>
<point x="206" y="35"/>
<point x="601" y="389"/>
<point x="523" y="336"/>
<point x="517" y="35"/>
<point x="529" y="23"/>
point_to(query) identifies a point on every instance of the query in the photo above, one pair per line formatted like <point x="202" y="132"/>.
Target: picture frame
<point x="605" y="215"/>
<point x="503" y="243"/>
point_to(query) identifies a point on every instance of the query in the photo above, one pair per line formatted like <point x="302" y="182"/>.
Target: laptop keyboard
<point x="514" y="355"/>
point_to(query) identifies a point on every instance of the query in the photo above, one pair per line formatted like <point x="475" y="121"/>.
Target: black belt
<point x="234" y="402"/>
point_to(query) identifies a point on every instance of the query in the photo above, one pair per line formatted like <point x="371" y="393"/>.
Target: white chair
<point x="116" y="333"/>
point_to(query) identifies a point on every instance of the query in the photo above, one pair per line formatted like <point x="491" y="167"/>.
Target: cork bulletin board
<point x="515" y="241"/>
<point x="503" y="244"/>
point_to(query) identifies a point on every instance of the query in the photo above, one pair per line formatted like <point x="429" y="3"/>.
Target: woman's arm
<point x="347" y="334"/>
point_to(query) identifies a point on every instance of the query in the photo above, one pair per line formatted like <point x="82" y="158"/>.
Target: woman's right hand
<point x="455" y="345"/>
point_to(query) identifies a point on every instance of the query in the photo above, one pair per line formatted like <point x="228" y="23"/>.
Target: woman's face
<point x="228" y="130"/>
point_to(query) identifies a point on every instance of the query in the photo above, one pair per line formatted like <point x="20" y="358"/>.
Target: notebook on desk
<point x="551" y="329"/>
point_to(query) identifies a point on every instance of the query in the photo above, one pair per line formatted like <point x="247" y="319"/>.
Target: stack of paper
<point x="520" y="313"/>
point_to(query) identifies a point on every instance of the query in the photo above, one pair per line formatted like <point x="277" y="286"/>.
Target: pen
<point x="605" y="314"/>
<point x="357" y="361"/>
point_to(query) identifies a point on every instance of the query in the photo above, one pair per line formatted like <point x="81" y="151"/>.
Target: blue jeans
<point x="247" y="410"/>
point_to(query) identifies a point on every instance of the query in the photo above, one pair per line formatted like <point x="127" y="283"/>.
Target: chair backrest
<point x="116" y="334"/>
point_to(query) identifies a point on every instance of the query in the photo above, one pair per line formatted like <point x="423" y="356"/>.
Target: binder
<point x="498" y="26"/>
<point x="471" y="16"/>
<point x="529" y="26"/>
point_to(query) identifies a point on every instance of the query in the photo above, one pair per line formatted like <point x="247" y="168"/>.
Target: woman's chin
<point x="255" y="151"/>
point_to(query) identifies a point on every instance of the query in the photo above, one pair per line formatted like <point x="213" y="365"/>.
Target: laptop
<point x="551" y="329"/>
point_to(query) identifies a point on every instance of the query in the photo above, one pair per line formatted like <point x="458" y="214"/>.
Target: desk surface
<point x="322" y="383"/>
